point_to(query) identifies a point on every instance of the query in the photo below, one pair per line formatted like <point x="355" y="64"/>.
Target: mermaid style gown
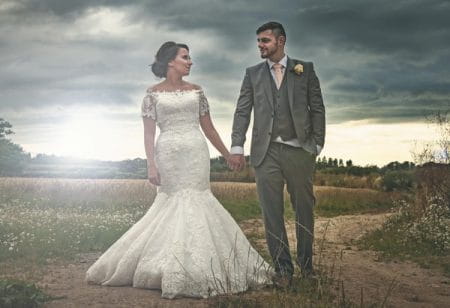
<point x="186" y="244"/>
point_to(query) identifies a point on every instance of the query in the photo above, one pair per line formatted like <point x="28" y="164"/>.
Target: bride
<point x="187" y="244"/>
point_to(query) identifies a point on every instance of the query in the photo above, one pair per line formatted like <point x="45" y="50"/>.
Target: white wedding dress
<point x="187" y="244"/>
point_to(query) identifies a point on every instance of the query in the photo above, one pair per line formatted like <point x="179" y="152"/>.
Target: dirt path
<point x="360" y="269"/>
<point x="413" y="286"/>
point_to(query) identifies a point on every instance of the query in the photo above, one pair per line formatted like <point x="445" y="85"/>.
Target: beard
<point x="267" y="53"/>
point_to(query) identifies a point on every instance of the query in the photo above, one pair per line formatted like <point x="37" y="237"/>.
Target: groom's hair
<point x="276" y="28"/>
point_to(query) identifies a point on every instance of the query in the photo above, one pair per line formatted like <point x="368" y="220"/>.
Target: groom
<point x="288" y="133"/>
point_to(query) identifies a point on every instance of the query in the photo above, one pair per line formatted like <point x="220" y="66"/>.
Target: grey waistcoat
<point x="283" y="125"/>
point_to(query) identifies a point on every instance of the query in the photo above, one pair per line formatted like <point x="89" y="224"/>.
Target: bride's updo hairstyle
<point x="166" y="53"/>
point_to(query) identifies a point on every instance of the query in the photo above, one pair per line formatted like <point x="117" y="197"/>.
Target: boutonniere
<point x="298" y="69"/>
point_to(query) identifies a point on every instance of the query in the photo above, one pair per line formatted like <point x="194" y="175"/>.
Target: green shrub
<point x="16" y="293"/>
<point x="420" y="227"/>
<point x="397" y="180"/>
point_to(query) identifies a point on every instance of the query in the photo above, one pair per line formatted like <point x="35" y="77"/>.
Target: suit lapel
<point x="264" y="77"/>
<point x="290" y="81"/>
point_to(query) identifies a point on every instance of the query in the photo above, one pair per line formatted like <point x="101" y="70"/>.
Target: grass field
<point x="42" y="220"/>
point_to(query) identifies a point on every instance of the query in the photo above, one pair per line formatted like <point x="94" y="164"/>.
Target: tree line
<point x="14" y="161"/>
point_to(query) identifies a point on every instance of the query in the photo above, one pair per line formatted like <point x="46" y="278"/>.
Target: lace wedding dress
<point x="187" y="244"/>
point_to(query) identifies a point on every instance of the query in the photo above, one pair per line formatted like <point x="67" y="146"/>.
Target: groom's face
<point x="269" y="44"/>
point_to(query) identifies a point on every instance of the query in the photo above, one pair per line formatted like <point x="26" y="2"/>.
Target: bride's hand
<point x="236" y="162"/>
<point x="153" y="175"/>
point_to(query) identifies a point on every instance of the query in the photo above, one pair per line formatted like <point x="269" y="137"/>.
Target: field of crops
<point x="45" y="218"/>
<point x="51" y="230"/>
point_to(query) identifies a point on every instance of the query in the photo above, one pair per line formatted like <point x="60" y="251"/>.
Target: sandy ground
<point x="411" y="285"/>
<point x="361" y="271"/>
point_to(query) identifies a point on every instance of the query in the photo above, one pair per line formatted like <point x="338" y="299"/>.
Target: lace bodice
<point x="175" y="109"/>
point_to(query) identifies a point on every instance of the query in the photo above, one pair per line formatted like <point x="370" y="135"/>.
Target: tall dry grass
<point x="60" y="217"/>
<point x="43" y="219"/>
<point x="90" y="193"/>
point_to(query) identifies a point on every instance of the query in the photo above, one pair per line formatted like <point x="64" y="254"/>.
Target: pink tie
<point x="278" y="73"/>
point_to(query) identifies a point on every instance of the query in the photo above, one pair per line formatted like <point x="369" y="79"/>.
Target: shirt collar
<point x="283" y="62"/>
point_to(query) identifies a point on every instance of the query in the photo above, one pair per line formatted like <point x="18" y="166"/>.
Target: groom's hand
<point x="236" y="162"/>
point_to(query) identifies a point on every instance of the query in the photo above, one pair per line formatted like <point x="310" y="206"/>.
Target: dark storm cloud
<point x="378" y="60"/>
<point x="66" y="9"/>
<point x="400" y="47"/>
<point x="408" y="27"/>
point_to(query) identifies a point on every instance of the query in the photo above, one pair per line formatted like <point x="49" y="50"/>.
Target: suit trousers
<point x="295" y="167"/>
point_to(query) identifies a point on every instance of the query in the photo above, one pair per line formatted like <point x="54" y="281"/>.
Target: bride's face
<point x="182" y="62"/>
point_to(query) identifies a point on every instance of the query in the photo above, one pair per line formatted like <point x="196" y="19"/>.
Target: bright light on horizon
<point x="367" y="143"/>
<point x="83" y="136"/>
<point x="364" y="142"/>
<point x="95" y="136"/>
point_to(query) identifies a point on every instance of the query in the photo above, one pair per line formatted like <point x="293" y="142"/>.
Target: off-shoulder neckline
<point x="174" y="92"/>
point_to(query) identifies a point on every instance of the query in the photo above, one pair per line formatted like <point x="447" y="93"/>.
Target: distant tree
<point x="397" y="180"/>
<point x="12" y="157"/>
<point x="362" y="171"/>
<point x="405" y="165"/>
<point x="132" y="166"/>
<point x="433" y="170"/>
<point x="341" y="163"/>
<point x="218" y="164"/>
<point x="396" y="166"/>
<point x="335" y="162"/>
<point x="437" y="151"/>
<point x="330" y="162"/>
<point x="392" y="165"/>
<point x="44" y="159"/>
<point x="349" y="163"/>
<point x="318" y="162"/>
<point x="5" y="128"/>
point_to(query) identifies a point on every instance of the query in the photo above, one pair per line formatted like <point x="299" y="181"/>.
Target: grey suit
<point x="277" y="163"/>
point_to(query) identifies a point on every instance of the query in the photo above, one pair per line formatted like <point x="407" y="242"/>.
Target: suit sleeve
<point x="316" y="108"/>
<point x="242" y="113"/>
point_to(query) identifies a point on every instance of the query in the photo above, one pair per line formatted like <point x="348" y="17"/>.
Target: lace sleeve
<point x="148" y="108"/>
<point x="203" y="104"/>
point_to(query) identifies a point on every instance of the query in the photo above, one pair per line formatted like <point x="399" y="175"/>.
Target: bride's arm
<point x="149" y="144"/>
<point x="212" y="135"/>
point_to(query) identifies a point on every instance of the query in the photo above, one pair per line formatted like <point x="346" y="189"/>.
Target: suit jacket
<point x="305" y="103"/>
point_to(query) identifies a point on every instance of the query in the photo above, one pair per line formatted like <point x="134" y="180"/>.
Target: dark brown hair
<point x="276" y="27"/>
<point x="166" y="53"/>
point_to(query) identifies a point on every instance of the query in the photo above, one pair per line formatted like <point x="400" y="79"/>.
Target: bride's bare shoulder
<point x="155" y="88"/>
<point x="192" y="86"/>
<point x="162" y="87"/>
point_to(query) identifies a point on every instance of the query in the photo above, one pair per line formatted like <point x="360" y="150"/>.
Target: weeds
<point x="16" y="293"/>
<point x="41" y="219"/>
<point x="423" y="238"/>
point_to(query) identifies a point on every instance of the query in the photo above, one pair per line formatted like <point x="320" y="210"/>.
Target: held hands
<point x="236" y="162"/>
<point x="153" y="175"/>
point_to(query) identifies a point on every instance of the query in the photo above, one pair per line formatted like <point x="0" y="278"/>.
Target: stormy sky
<point x="73" y="73"/>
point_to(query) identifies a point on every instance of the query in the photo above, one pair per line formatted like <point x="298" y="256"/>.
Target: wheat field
<point x="45" y="218"/>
